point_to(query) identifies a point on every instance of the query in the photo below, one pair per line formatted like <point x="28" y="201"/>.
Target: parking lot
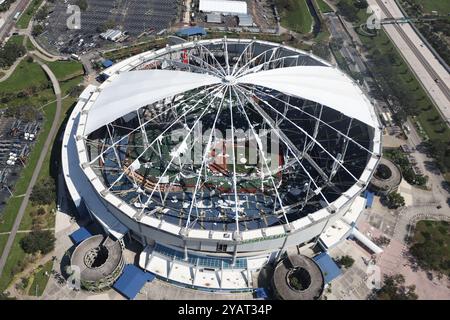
<point x="131" y="16"/>
<point x="16" y="141"/>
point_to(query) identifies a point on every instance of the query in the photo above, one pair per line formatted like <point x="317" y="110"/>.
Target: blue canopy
<point x="369" y="197"/>
<point x="107" y="63"/>
<point x="329" y="268"/>
<point x="80" y="235"/>
<point x="132" y="280"/>
<point x="191" y="31"/>
<point x="261" y="293"/>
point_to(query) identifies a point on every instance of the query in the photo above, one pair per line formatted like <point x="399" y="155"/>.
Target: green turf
<point x="442" y="6"/>
<point x="324" y="8"/>
<point x="29" y="45"/>
<point x="40" y="280"/>
<point x="65" y="70"/>
<point x="26" y="74"/>
<point x="3" y="239"/>
<point x="67" y="86"/>
<point x="17" y="39"/>
<point x="295" y="15"/>
<point x="25" y="18"/>
<point x="15" y="256"/>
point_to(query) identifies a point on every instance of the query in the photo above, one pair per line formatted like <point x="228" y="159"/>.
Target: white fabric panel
<point x="223" y="6"/>
<point x="77" y="182"/>
<point x="323" y="85"/>
<point x="132" y="90"/>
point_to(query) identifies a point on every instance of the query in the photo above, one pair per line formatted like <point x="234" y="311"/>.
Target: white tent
<point x="226" y="7"/>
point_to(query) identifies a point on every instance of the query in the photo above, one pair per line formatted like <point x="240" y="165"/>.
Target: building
<point x="225" y="7"/>
<point x="387" y="178"/>
<point x="245" y="20"/>
<point x="219" y="155"/>
<point x="191" y="32"/>
<point x="213" y="18"/>
<point x="99" y="261"/>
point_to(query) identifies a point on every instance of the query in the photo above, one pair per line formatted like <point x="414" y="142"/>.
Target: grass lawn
<point x="295" y="15"/>
<point x="29" y="45"/>
<point x="324" y="8"/>
<point x="65" y="70"/>
<point x="26" y="75"/>
<point x="17" y="39"/>
<point x="40" y="279"/>
<point x="3" y="239"/>
<point x="27" y="220"/>
<point x="16" y="255"/>
<point x="442" y="6"/>
<point x="26" y="16"/>
<point x="68" y="85"/>
<point x="431" y="245"/>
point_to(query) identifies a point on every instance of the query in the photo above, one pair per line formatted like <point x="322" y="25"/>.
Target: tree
<point x="395" y="200"/>
<point x="43" y="192"/>
<point x="394" y="289"/>
<point x="347" y="10"/>
<point x="43" y="241"/>
<point x="345" y="261"/>
<point x="37" y="30"/>
<point x="10" y="52"/>
<point x="42" y="14"/>
<point x="430" y="246"/>
<point x="105" y="26"/>
<point x="82" y="4"/>
<point x="361" y="4"/>
<point x="321" y="50"/>
<point x="440" y="151"/>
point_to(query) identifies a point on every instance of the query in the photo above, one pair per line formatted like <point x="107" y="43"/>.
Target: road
<point x="37" y="169"/>
<point x="9" y="21"/>
<point x="432" y="75"/>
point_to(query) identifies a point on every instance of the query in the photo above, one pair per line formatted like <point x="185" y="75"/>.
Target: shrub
<point x="345" y="261"/>
<point x="38" y="241"/>
<point x="43" y="192"/>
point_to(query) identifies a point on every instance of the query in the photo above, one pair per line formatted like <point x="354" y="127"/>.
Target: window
<point x="221" y="247"/>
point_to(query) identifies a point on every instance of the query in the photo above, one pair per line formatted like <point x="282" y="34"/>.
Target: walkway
<point x="27" y="231"/>
<point x="37" y="169"/>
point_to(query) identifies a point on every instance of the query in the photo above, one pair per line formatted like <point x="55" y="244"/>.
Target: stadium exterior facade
<point x="214" y="227"/>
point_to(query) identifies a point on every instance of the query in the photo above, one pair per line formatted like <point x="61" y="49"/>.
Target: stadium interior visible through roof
<point x="135" y="155"/>
<point x="312" y="140"/>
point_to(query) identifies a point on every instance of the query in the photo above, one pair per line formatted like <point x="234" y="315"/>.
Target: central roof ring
<point x="229" y="80"/>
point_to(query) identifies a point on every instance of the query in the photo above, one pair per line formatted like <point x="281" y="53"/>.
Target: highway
<point x="438" y="78"/>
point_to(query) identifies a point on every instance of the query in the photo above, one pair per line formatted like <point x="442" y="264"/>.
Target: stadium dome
<point x="220" y="155"/>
